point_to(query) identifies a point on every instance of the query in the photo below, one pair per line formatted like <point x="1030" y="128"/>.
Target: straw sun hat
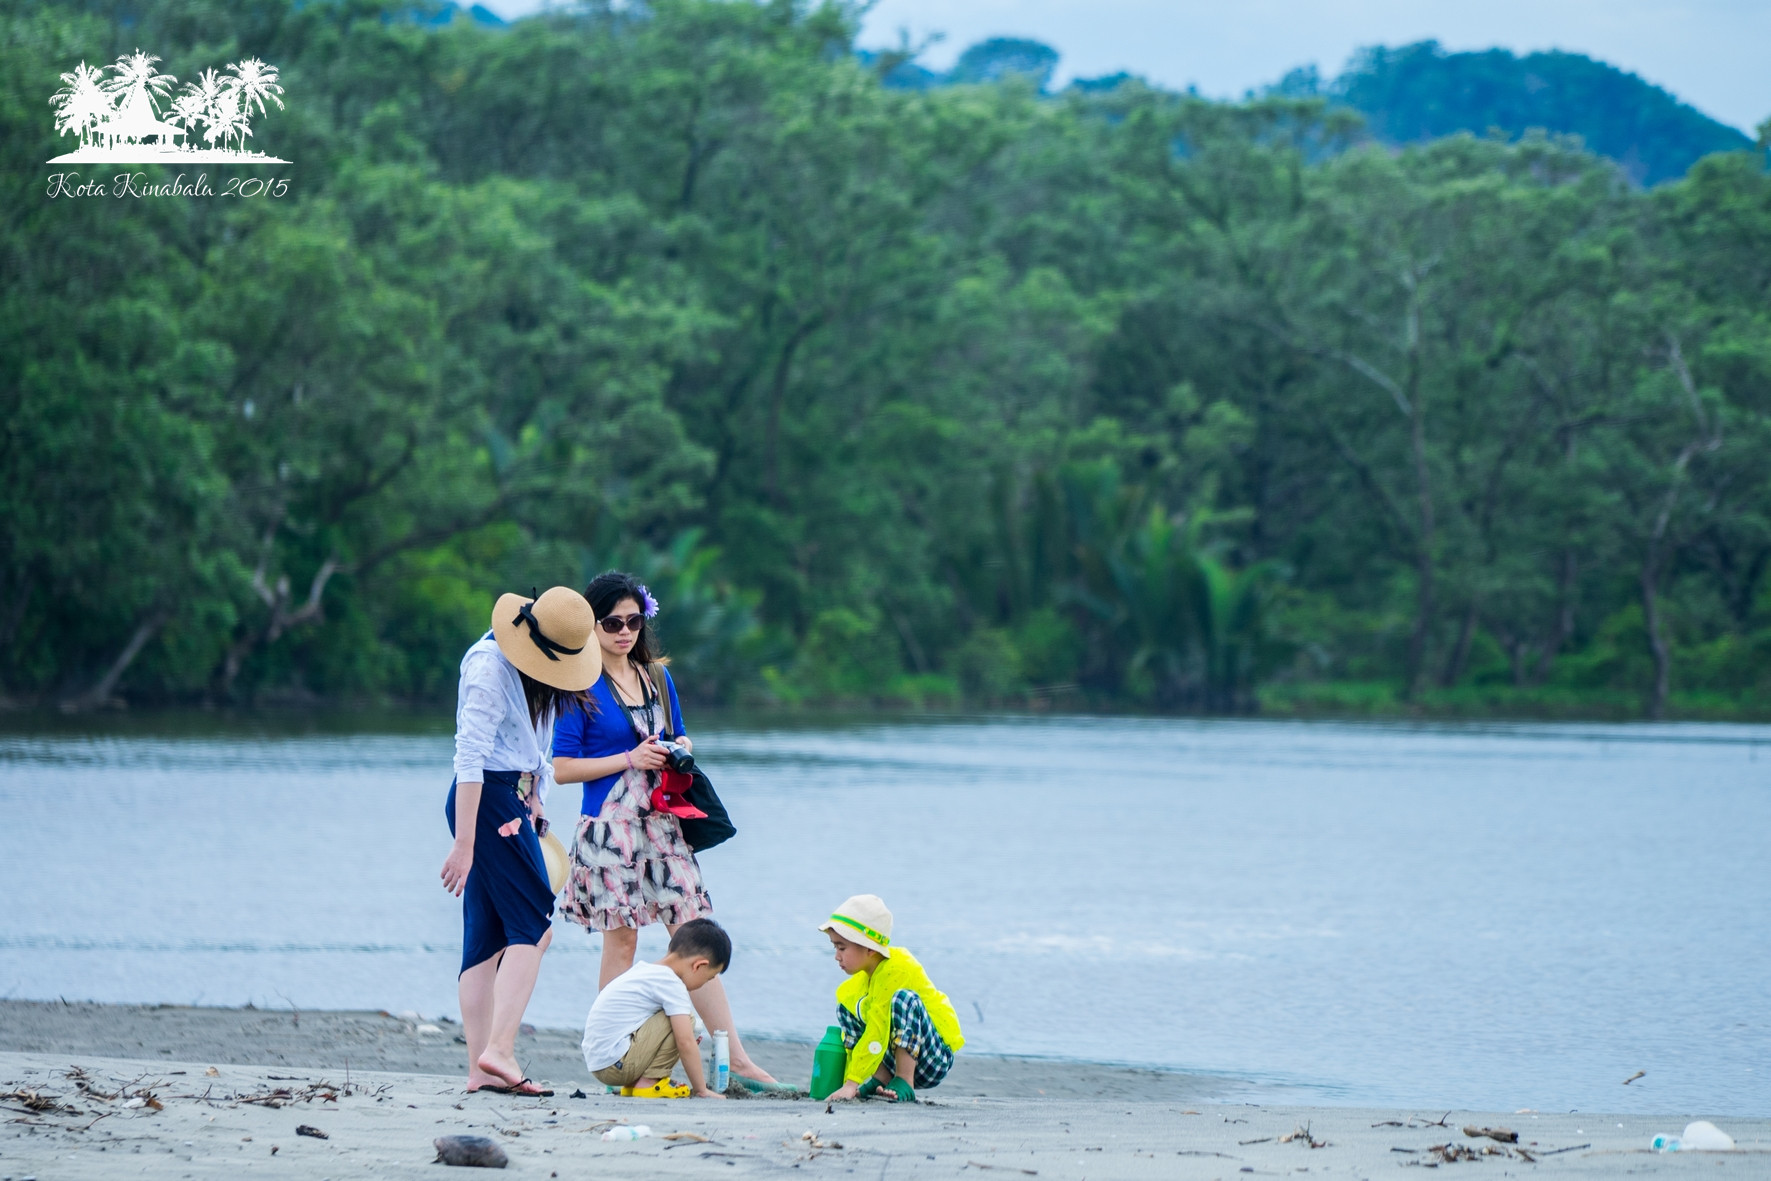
<point x="557" y="860"/>
<point x="550" y="638"/>
<point x="865" y="920"/>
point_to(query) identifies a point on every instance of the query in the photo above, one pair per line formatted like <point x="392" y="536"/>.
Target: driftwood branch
<point x="100" y="693"/>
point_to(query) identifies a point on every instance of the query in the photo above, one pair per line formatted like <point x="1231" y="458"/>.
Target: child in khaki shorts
<point x="640" y="1026"/>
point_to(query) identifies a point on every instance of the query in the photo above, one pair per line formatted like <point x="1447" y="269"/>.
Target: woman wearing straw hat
<point x="631" y="865"/>
<point x="537" y="659"/>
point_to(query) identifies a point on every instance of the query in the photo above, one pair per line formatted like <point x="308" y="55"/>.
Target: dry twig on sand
<point x="37" y="1103"/>
<point x="1302" y="1135"/>
<point x="1503" y="1135"/>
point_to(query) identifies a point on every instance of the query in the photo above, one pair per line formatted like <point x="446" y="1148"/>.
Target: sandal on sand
<point x="902" y="1090"/>
<point x="662" y="1089"/>
<point x="519" y="1089"/>
<point x="868" y="1089"/>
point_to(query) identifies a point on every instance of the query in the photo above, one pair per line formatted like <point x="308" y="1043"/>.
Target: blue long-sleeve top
<point x="595" y="734"/>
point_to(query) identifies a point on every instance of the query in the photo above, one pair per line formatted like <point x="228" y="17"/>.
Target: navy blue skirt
<point x="506" y="901"/>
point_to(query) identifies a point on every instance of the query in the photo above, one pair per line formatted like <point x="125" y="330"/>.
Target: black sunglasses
<point x="616" y="624"/>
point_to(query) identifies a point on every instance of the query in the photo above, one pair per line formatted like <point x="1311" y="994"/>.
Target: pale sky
<point x="1713" y="54"/>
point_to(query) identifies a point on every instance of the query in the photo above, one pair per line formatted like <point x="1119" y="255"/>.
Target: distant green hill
<point x="987" y="61"/>
<point x="479" y="14"/>
<point x="1421" y="92"/>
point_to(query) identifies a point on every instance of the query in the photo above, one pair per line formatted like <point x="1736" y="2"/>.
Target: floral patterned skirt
<point x="631" y="866"/>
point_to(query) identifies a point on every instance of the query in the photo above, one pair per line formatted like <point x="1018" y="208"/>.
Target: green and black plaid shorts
<point x="912" y="1030"/>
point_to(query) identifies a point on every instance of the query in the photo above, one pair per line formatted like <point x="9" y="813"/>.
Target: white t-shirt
<point x="625" y="1005"/>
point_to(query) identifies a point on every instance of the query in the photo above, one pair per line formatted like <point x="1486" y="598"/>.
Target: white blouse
<point x="492" y="730"/>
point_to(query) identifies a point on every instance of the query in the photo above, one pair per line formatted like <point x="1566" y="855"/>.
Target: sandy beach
<point x="106" y="1091"/>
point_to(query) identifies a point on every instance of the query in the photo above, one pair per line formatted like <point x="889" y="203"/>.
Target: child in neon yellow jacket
<point x="900" y="1030"/>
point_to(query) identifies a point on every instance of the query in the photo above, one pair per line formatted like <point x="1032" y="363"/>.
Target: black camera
<point x="677" y="756"/>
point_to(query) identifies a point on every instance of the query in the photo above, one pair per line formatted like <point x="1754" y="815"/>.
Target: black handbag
<point x="715" y="828"/>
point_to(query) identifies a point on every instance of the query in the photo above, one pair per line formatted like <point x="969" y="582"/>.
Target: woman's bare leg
<point x="716" y="1013"/>
<point x="515" y="983"/>
<point x="476" y="1018"/>
<point x="618" y="948"/>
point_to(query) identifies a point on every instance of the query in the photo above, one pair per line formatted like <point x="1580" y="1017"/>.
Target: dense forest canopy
<point x="961" y="393"/>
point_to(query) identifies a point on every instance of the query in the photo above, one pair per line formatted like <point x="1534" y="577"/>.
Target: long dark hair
<point x="546" y="702"/>
<point x="609" y="588"/>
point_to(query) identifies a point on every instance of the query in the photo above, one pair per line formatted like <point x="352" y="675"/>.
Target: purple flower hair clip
<point x="650" y="606"/>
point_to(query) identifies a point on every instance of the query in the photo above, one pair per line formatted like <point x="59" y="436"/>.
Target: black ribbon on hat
<point x="547" y="646"/>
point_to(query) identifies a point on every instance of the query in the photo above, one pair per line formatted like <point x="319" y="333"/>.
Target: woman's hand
<point x="648" y="755"/>
<point x="455" y="868"/>
<point x="687" y="743"/>
<point x="847" y="1091"/>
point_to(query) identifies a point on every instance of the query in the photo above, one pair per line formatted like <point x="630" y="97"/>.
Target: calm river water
<point x="1493" y="917"/>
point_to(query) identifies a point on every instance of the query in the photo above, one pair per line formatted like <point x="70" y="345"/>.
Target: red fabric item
<point x="672" y="796"/>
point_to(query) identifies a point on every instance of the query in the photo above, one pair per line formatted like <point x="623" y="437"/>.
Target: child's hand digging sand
<point x="887" y="1002"/>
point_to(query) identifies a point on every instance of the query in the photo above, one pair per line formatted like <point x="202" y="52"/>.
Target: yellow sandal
<point x="662" y="1089"/>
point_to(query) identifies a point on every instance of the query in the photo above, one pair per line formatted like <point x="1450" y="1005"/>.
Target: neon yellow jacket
<point x="870" y="999"/>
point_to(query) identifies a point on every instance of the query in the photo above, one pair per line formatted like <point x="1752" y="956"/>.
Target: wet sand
<point x="341" y="1041"/>
<point x="98" y="1091"/>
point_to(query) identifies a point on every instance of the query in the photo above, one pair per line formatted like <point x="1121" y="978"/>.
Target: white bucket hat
<point x="863" y="920"/>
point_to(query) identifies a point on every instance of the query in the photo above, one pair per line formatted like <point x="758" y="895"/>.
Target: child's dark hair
<point x="703" y="937"/>
<point x="609" y="588"/>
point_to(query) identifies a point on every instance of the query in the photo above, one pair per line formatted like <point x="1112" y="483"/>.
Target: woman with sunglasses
<point x="631" y="865"/>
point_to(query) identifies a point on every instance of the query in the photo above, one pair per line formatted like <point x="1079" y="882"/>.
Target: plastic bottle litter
<point x="628" y="1132"/>
<point x="722" y="1061"/>
<point x="1703" y="1136"/>
<point x="1699" y="1136"/>
<point x="828" y="1063"/>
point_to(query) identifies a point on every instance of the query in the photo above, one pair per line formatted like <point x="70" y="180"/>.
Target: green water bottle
<point x="828" y="1063"/>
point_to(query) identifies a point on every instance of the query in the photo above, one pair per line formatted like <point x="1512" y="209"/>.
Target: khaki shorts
<point x="651" y="1054"/>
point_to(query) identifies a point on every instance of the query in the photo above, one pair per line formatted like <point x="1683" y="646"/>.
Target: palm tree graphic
<point x="229" y="119"/>
<point x="255" y="82"/>
<point x="138" y="81"/>
<point x="81" y="104"/>
<point x="188" y="110"/>
<point x="117" y="118"/>
<point x="202" y="102"/>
